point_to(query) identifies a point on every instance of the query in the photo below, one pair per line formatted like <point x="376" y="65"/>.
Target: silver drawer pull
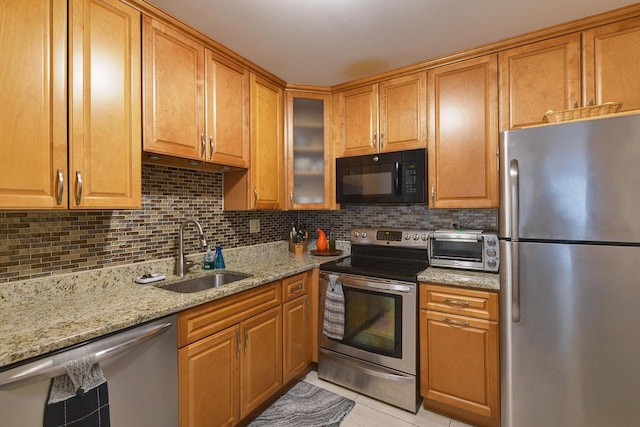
<point x="296" y="288"/>
<point x="455" y="322"/>
<point x="246" y="339"/>
<point x="455" y="302"/>
<point x="60" y="187"/>
<point x="78" y="188"/>
<point x="239" y="343"/>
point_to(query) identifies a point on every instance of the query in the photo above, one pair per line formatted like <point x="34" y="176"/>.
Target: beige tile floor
<point x="371" y="413"/>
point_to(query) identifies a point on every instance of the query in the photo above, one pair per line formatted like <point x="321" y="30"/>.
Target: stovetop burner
<point x="395" y="254"/>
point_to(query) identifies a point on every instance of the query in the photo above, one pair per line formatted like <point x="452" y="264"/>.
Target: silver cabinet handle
<point x="308" y="305"/>
<point x="78" y="188"/>
<point x="575" y="104"/>
<point x="291" y="197"/>
<point x="255" y="197"/>
<point x="204" y="146"/>
<point x="246" y="339"/>
<point x="455" y="322"/>
<point x="375" y="141"/>
<point x="381" y="141"/>
<point x="514" y="173"/>
<point x="60" y="187"/>
<point x="455" y="302"/>
<point x="433" y="195"/>
<point x="211" y="147"/>
<point x="239" y="341"/>
<point x="591" y="103"/>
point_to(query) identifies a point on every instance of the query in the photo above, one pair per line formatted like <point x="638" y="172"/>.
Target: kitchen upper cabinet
<point x="539" y="77"/>
<point x="463" y="134"/>
<point x="612" y="64"/>
<point x="386" y="116"/>
<point x="33" y="112"/>
<point x="262" y="186"/>
<point x="310" y="167"/>
<point x="173" y="71"/>
<point x="93" y="160"/>
<point x="227" y="106"/>
<point x="196" y="102"/>
<point x="459" y="353"/>
<point x="104" y="105"/>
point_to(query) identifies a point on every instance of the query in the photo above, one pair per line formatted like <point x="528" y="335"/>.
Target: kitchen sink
<point x="205" y="282"/>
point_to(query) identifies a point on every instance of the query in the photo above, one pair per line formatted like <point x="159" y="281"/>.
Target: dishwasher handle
<point x="102" y="349"/>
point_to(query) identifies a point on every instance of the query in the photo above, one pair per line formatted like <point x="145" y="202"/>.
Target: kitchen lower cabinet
<point x="463" y="134"/>
<point x="459" y="353"/>
<point x="209" y="372"/>
<point x="261" y="359"/>
<point x="232" y="351"/>
<point x="297" y="333"/>
<point x="91" y="161"/>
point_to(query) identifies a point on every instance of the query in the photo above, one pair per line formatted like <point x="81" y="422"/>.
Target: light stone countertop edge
<point x="462" y="278"/>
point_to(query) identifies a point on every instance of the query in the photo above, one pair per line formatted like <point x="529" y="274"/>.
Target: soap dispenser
<point x="219" y="262"/>
<point x="208" y="260"/>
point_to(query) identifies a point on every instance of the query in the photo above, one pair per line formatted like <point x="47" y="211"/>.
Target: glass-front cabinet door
<point x="310" y="169"/>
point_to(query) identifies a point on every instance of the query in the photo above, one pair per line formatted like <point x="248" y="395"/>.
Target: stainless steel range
<point x="375" y="351"/>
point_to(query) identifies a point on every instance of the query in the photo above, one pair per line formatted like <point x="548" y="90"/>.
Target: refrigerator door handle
<point x="515" y="270"/>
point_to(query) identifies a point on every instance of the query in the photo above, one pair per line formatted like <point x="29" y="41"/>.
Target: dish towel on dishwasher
<point x="333" y="325"/>
<point x="78" y="398"/>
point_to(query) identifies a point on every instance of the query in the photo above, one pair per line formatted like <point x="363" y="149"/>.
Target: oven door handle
<point x="364" y="284"/>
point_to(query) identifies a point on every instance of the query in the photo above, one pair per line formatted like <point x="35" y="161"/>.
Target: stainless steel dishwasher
<point x="140" y="365"/>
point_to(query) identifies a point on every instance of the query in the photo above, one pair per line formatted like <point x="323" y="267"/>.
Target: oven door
<point x="380" y="321"/>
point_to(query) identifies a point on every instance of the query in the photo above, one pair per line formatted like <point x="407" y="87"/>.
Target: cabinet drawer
<point x="467" y="302"/>
<point x="294" y="286"/>
<point x="199" y="322"/>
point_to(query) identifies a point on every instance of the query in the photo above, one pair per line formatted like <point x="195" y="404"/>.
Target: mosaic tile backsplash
<point x="45" y="243"/>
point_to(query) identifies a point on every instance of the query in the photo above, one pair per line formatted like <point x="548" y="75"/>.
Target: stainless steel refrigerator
<point x="569" y="229"/>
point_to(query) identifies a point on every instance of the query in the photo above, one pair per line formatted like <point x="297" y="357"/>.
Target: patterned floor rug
<point x="305" y="405"/>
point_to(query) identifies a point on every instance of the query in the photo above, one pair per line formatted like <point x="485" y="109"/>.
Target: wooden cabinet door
<point x="261" y="359"/>
<point x="358" y="117"/>
<point x="463" y="134"/>
<point x="403" y="113"/>
<point x="296" y="331"/>
<point x="227" y="111"/>
<point x="33" y="111"/>
<point x="208" y="372"/>
<point x="173" y="111"/>
<point x="539" y="77"/>
<point x="459" y="364"/>
<point x="104" y="105"/>
<point x="612" y="64"/>
<point x="267" y="145"/>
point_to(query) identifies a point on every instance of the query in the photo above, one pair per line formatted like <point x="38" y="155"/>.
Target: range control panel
<point x="410" y="238"/>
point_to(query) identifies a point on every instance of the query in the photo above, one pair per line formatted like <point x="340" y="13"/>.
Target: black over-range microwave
<point x="396" y="177"/>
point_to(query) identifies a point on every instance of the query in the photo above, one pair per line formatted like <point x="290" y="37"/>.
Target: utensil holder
<point x="298" y="248"/>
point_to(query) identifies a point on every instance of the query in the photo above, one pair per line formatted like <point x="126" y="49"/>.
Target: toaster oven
<point x="465" y="249"/>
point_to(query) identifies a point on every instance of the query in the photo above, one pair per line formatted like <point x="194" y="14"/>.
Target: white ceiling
<point x="327" y="42"/>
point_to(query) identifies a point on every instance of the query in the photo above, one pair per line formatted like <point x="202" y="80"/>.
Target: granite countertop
<point x="463" y="278"/>
<point x="42" y="315"/>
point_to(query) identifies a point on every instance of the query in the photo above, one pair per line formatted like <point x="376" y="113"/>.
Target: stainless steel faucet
<point x="182" y="266"/>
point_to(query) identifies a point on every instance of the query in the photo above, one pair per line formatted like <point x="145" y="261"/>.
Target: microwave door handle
<point x="398" y="179"/>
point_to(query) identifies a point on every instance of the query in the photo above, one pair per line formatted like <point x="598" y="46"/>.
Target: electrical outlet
<point x="254" y="225"/>
<point x="454" y="224"/>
